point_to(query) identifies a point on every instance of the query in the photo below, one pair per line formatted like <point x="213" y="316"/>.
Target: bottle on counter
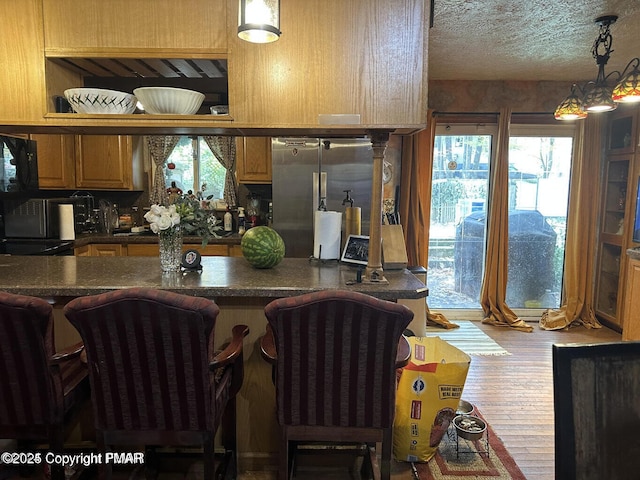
<point x="228" y="221"/>
<point x="270" y="215"/>
<point x="241" y="220"/>
<point x="115" y="217"/>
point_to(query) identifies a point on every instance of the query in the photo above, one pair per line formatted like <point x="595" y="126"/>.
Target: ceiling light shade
<point x="570" y="108"/>
<point x="628" y="89"/>
<point x="598" y="99"/>
<point x="599" y="95"/>
<point x="259" y="20"/>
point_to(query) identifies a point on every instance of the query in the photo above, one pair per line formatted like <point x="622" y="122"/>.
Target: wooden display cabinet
<point x="617" y="216"/>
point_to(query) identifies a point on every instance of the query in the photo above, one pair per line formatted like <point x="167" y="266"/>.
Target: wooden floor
<point x="515" y="394"/>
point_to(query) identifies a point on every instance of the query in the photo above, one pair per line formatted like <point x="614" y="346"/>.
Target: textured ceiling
<point x="527" y="39"/>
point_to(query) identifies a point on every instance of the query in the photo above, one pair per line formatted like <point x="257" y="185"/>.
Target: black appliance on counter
<point x="18" y="165"/>
<point x="35" y="246"/>
<point x="31" y="227"/>
<point x="32" y="217"/>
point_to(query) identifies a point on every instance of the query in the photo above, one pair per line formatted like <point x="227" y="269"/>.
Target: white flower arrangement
<point x="162" y="218"/>
<point x="187" y="213"/>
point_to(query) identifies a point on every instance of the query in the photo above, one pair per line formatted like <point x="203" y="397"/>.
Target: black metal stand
<point x="469" y="446"/>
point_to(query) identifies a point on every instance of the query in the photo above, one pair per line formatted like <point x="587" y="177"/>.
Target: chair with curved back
<point x="42" y="390"/>
<point x="335" y="370"/>
<point x="156" y="379"/>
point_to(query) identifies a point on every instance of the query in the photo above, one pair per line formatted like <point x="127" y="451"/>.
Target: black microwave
<point x="18" y="165"/>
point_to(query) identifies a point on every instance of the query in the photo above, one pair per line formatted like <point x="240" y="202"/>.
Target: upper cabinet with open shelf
<point x="376" y="72"/>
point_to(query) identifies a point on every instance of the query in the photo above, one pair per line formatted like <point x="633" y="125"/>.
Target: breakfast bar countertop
<point x="69" y="276"/>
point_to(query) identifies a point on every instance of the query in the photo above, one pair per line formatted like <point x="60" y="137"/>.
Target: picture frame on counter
<point x="191" y="260"/>
<point x="356" y="250"/>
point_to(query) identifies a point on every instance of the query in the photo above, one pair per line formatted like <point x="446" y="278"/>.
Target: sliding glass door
<point x="461" y="162"/>
<point x="540" y="169"/>
<point x="539" y="175"/>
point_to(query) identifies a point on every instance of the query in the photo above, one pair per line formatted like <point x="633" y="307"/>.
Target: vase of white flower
<point x="165" y="221"/>
<point x="170" y="243"/>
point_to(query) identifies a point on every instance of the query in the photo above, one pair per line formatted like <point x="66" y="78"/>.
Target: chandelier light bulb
<point x="598" y="94"/>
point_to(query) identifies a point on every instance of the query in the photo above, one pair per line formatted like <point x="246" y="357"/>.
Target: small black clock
<point x="191" y="260"/>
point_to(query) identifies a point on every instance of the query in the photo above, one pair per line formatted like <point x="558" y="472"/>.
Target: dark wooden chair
<point x="42" y="391"/>
<point x="335" y="371"/>
<point x="596" y="395"/>
<point x="156" y="379"/>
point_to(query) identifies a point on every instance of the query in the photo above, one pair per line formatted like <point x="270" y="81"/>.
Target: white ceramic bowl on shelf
<point x="100" y="100"/>
<point x="169" y="100"/>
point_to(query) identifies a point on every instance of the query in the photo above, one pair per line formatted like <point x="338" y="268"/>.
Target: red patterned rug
<point x="457" y="459"/>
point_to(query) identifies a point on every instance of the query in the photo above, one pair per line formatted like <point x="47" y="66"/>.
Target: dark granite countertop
<point x="69" y="276"/>
<point x="82" y="240"/>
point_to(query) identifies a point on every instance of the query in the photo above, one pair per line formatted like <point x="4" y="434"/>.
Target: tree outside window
<point x="196" y="168"/>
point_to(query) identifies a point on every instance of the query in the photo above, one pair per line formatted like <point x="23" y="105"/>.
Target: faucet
<point x="347" y="199"/>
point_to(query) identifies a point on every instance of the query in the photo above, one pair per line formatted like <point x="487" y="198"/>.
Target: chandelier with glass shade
<point x="605" y="92"/>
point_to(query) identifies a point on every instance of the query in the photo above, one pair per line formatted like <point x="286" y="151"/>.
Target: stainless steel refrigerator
<point x="343" y="163"/>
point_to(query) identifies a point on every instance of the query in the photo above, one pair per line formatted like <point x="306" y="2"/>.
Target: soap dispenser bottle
<point x="241" y="220"/>
<point x="228" y="221"/>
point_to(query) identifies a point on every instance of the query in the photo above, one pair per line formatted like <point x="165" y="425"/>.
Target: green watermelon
<point x="262" y="246"/>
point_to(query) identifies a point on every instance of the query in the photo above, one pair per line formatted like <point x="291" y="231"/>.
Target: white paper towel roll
<point x="326" y="234"/>
<point x="67" y="222"/>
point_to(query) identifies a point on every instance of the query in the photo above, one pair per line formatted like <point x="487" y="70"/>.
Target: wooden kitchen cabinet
<point x="108" y="162"/>
<point x="83" y="251"/>
<point x="149" y="249"/>
<point x="133" y="25"/>
<point x="253" y="159"/>
<point x="96" y="162"/>
<point x="631" y="323"/>
<point x="56" y="161"/>
<point x="377" y="70"/>
<point x="272" y="87"/>
<point x="143" y="250"/>
<point x="23" y="93"/>
<point x="107" y="250"/>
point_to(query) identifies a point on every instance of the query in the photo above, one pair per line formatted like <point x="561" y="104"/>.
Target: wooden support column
<point x="374" y="271"/>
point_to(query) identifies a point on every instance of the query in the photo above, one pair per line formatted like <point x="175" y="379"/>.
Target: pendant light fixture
<point x="603" y="94"/>
<point x="259" y="20"/>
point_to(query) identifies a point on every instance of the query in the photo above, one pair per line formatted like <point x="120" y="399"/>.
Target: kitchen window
<point x="539" y="173"/>
<point x="193" y="167"/>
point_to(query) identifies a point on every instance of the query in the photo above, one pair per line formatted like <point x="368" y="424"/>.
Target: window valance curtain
<point x="160" y="147"/>
<point x="224" y="148"/>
